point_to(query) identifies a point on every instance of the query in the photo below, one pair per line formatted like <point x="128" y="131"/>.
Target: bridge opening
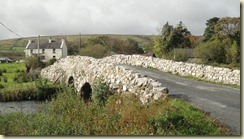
<point x="71" y="82"/>
<point x="86" y="91"/>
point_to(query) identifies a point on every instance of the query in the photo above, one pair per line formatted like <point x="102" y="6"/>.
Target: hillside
<point x="14" y="48"/>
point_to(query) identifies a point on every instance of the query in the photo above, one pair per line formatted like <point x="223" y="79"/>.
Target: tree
<point x="213" y="51"/>
<point x="171" y="38"/>
<point x="222" y="41"/>
<point x="128" y="46"/>
<point x="209" y="31"/>
<point x="228" y="27"/>
<point x="180" y="37"/>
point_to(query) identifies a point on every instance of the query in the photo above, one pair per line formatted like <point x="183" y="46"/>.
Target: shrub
<point x="213" y="51"/>
<point x="128" y="46"/>
<point x="34" y="62"/>
<point x="17" y="71"/>
<point x="185" y="119"/>
<point x="100" y="92"/>
<point x="181" y="55"/>
<point x="51" y="61"/>
<point x="98" y="40"/>
<point x="96" y="51"/>
<point x="27" y="77"/>
<point x="5" y="79"/>
<point x="1" y="74"/>
<point x="1" y="86"/>
<point x="4" y="70"/>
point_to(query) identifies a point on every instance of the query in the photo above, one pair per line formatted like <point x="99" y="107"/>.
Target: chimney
<point x="38" y="45"/>
<point x="50" y="40"/>
<point x="63" y="40"/>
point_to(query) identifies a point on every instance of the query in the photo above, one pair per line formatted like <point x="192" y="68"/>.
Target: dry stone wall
<point x="209" y="73"/>
<point x="121" y="80"/>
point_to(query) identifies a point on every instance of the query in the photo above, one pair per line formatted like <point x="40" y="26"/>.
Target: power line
<point x="10" y="29"/>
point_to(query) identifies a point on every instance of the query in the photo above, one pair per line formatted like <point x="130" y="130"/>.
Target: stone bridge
<point x="81" y="72"/>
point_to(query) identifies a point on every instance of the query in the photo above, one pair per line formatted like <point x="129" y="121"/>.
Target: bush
<point x="34" y="62"/>
<point x="17" y="71"/>
<point x="180" y="119"/>
<point x="98" y="40"/>
<point x="128" y="46"/>
<point x="5" y="79"/>
<point x="1" y="86"/>
<point x="213" y="51"/>
<point x="27" y="77"/>
<point x="100" y="92"/>
<point x="4" y="70"/>
<point x="96" y="51"/>
<point x="1" y="74"/>
<point x="51" y="61"/>
<point x="181" y="55"/>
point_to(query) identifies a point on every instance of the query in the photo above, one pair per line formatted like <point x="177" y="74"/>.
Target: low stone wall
<point x="209" y="73"/>
<point x="86" y="69"/>
<point x="121" y="80"/>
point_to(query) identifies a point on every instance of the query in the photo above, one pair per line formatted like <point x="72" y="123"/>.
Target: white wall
<point x="59" y="53"/>
<point x="48" y="53"/>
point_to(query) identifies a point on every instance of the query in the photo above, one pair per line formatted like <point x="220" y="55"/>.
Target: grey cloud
<point x="54" y="17"/>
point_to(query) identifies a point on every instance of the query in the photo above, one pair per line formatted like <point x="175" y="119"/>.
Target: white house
<point x="49" y="49"/>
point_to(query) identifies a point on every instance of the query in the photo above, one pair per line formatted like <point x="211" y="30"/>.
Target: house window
<point x="54" y="51"/>
<point x="43" y="51"/>
<point x="31" y="51"/>
<point x="54" y="57"/>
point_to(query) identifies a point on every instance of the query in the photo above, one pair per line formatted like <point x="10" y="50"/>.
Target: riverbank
<point x="68" y="114"/>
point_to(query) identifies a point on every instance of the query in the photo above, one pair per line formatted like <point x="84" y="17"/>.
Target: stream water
<point x="27" y="107"/>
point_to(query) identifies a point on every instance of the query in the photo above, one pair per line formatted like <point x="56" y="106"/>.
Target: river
<point x="26" y="107"/>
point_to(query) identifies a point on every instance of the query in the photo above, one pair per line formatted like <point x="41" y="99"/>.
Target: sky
<point x="142" y="17"/>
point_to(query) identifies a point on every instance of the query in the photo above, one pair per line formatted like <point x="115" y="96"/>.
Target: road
<point x="222" y="102"/>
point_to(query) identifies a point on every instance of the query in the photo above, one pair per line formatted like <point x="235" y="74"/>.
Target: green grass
<point x="16" y="85"/>
<point x="10" y="71"/>
<point x="121" y="115"/>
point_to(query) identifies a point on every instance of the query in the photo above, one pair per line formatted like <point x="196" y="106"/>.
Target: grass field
<point x="16" y="85"/>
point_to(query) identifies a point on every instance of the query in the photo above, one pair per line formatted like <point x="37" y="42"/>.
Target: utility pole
<point x="38" y="45"/>
<point x="79" y="43"/>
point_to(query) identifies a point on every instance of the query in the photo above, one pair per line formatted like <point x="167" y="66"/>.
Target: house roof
<point x="54" y="44"/>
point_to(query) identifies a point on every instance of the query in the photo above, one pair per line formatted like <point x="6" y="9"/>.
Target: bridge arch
<point x="86" y="92"/>
<point x="71" y="82"/>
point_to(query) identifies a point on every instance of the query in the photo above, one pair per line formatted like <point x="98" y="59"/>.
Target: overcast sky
<point x="60" y="17"/>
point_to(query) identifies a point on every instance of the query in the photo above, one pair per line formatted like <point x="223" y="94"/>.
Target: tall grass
<point x="121" y="115"/>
